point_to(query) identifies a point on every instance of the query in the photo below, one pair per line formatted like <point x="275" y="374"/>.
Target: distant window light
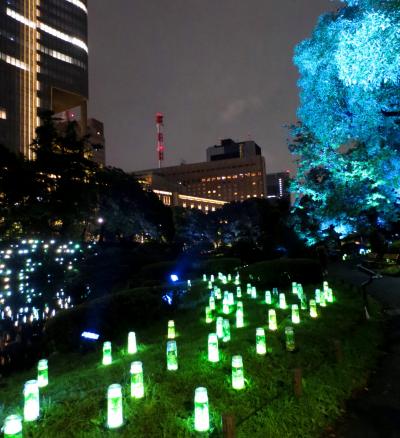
<point x="3" y="114"/>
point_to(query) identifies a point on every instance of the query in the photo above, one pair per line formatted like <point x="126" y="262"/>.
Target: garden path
<point x="375" y="411"/>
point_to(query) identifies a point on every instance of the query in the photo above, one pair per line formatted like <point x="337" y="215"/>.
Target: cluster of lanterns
<point x="22" y="301"/>
<point x="222" y="303"/>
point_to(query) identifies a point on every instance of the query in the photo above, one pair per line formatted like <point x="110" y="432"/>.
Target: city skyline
<point x="214" y="70"/>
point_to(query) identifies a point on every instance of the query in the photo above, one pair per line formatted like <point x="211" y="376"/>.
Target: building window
<point x="3" y="114"/>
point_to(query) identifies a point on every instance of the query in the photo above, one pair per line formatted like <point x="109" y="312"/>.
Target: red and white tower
<point x="160" y="138"/>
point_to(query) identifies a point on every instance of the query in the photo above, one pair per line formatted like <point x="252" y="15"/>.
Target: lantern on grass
<point x="272" y="325"/>
<point x="261" y="344"/>
<point x="201" y="414"/>
<point x="253" y="292"/>
<point x="239" y="317"/>
<point x="220" y="327"/>
<point x="189" y="284"/>
<point x="329" y="295"/>
<point x="289" y="335"/>
<point x="31" y="400"/>
<point x="137" y="386"/>
<point x="229" y="277"/>
<point x="213" y="351"/>
<point x="43" y="373"/>
<point x="225" y="307"/>
<point x="239" y="292"/>
<point x="313" y="309"/>
<point x="107" y="353"/>
<point x="212" y="303"/>
<point x="115" y="417"/>
<point x="317" y="296"/>
<point x="13" y="427"/>
<point x="231" y="299"/>
<point x="226" y="331"/>
<point x="209" y="315"/>
<point x="295" y="314"/>
<point x="132" y="347"/>
<point x="322" y="300"/>
<point x="212" y="278"/>
<point x="303" y="302"/>
<point x="204" y="277"/>
<point x="268" y="298"/>
<point x="172" y="356"/>
<point x="294" y="287"/>
<point x="282" y="301"/>
<point x="210" y="285"/>
<point x="237" y="372"/>
<point x="171" y="330"/>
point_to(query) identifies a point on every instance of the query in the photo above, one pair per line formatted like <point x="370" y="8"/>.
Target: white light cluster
<point x="14" y="61"/>
<point x="62" y="56"/>
<point x="3" y="114"/>
<point x="79" y="4"/>
<point x="48" y="29"/>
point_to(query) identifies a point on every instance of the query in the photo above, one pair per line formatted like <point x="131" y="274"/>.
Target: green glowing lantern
<point x="322" y="301"/>
<point x="239" y="318"/>
<point x="115" y="417"/>
<point x="13" y="427"/>
<point x="211" y="302"/>
<point x="204" y="277"/>
<point x="189" y="284"/>
<point x="272" y="324"/>
<point x="237" y="372"/>
<point x="225" y="307"/>
<point x="171" y="329"/>
<point x="261" y="344"/>
<point x="226" y="329"/>
<point x="220" y="327"/>
<point x="137" y="386"/>
<point x="282" y="301"/>
<point x="329" y="295"/>
<point x="201" y="414"/>
<point x="224" y="280"/>
<point x="31" y="400"/>
<point x="218" y="293"/>
<point x="295" y="314"/>
<point x="210" y="285"/>
<point x="107" y="353"/>
<point x="239" y="292"/>
<point x="212" y="278"/>
<point x="43" y="373"/>
<point x="229" y="277"/>
<point x="231" y="299"/>
<point x="317" y="296"/>
<point x="303" y="302"/>
<point x="253" y="292"/>
<point x="213" y="351"/>
<point x="268" y="297"/>
<point x="294" y="288"/>
<point x="209" y="315"/>
<point x="132" y="347"/>
<point x="172" y="356"/>
<point x="313" y="309"/>
<point x="289" y="335"/>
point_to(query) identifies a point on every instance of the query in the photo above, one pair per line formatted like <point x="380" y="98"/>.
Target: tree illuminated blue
<point x="348" y="138"/>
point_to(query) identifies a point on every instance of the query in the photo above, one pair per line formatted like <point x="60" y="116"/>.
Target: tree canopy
<point x="348" y="138"/>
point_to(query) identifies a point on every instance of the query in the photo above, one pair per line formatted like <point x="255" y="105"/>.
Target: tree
<point x="348" y="138"/>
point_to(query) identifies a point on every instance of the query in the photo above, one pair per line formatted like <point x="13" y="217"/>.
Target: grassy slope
<point x="74" y="403"/>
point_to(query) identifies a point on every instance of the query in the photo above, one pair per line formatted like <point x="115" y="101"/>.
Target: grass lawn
<point x="74" y="403"/>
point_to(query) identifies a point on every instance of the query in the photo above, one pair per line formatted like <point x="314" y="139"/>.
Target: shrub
<point x="110" y="316"/>
<point x="281" y="272"/>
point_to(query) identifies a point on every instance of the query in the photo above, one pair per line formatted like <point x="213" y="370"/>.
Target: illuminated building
<point x="43" y="66"/>
<point x="278" y="185"/>
<point x="233" y="172"/>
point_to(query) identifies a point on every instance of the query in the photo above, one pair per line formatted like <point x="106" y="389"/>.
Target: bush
<point x="109" y="316"/>
<point x="218" y="264"/>
<point x="281" y="272"/>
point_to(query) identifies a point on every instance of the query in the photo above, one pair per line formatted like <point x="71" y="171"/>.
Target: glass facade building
<point x="43" y="65"/>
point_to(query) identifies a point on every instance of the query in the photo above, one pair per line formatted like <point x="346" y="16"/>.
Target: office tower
<point x="43" y="66"/>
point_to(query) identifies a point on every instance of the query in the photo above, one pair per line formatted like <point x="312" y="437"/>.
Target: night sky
<point x="215" y="68"/>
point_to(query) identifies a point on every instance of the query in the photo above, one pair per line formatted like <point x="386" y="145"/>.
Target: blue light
<point x="168" y="299"/>
<point x="90" y="335"/>
<point x="174" y="278"/>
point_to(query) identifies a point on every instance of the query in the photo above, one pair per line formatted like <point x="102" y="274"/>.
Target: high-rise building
<point x="278" y="185"/>
<point x="43" y="65"/>
<point x="233" y="172"/>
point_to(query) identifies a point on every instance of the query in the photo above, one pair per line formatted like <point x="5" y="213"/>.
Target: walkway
<point x="375" y="412"/>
